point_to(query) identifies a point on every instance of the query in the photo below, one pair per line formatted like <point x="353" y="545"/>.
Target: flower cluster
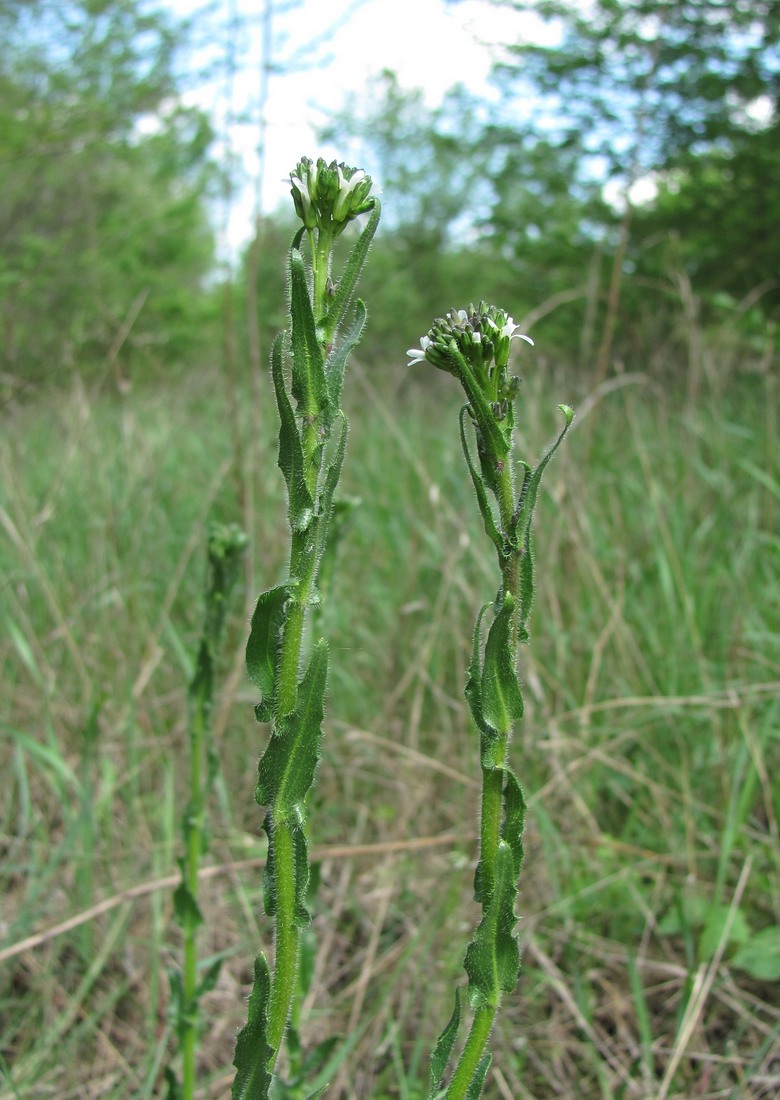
<point x="328" y="196"/>
<point x="482" y="335"/>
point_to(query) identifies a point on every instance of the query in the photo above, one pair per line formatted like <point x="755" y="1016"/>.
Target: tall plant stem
<point x="303" y="568"/>
<point x="192" y="855"/>
<point x="492" y="795"/>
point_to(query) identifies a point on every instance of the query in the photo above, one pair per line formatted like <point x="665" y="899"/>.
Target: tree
<point x="102" y="178"/>
<point x="683" y="92"/>
<point x="644" y="82"/>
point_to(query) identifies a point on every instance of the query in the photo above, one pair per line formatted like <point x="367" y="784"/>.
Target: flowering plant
<point x="473" y="345"/>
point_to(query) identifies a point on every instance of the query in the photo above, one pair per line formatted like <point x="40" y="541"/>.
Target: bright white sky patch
<point x="427" y="43"/>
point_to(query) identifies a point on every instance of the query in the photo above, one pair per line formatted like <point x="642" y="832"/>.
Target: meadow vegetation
<point x="134" y="414"/>
<point x="647" y="752"/>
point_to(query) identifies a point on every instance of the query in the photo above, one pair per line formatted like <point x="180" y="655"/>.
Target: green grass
<point x="648" y="751"/>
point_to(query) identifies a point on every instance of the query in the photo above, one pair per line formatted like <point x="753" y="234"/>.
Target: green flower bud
<point x="329" y="196"/>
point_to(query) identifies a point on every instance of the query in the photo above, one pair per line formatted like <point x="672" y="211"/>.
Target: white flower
<point x="417" y="355"/>
<point x="508" y="330"/>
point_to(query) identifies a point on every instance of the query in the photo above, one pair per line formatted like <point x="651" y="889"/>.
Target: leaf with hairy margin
<point x="474" y="1090"/>
<point x="514" y="819"/>
<point x="479" y="487"/>
<point x="300" y="505"/>
<point x="253" y="1050"/>
<point x="262" y="646"/>
<point x="287" y="767"/>
<point x="308" y="368"/>
<point x="337" y="361"/>
<point x="473" y="689"/>
<point x="493" y="958"/>
<point x="502" y="700"/>
<point x="349" y="279"/>
<point x="440" y="1055"/>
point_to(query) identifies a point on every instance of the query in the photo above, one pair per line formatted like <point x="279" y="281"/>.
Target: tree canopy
<point x="102" y="176"/>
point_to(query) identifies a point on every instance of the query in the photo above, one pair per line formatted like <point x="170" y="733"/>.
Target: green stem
<point x="320" y="263"/>
<point x="192" y="854"/>
<point x="492" y="797"/>
<point x="302" y="561"/>
<point x="479" y="1034"/>
<point x="287" y="938"/>
<point x="303" y="567"/>
<point x="490" y="821"/>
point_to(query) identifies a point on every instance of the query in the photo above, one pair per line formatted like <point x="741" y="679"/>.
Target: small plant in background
<point x="226" y="546"/>
<point x="290" y="674"/>
<point x="473" y="345"/>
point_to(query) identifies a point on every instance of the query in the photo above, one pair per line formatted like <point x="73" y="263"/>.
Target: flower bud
<point x="329" y="196"/>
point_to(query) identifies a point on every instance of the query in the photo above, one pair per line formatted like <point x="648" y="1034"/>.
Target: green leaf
<point x="349" y="279"/>
<point x="300" y="505"/>
<point x="526" y="587"/>
<point x="336" y="364"/>
<point x="493" y="958"/>
<point x="495" y="444"/>
<point x="760" y="956"/>
<point x="301" y="915"/>
<point x="286" y="770"/>
<point x="185" y="908"/>
<point x="308" y="368"/>
<point x="479" y="487"/>
<point x="441" y="1052"/>
<point x="252" y="1048"/>
<point x="209" y="979"/>
<point x="530" y="490"/>
<point x="502" y="700"/>
<point x="474" y="1090"/>
<point x="514" y="819"/>
<point x="263" y="644"/>
<point x="173" y="1090"/>
<point x="473" y="689"/>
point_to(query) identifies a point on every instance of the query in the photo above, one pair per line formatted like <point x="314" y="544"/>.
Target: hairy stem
<point x="469" y="1060"/>
<point x="287" y="937"/>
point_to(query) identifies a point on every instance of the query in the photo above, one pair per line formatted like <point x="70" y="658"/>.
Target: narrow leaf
<point x="526" y="587"/>
<point x="502" y="700"/>
<point x="531" y="484"/>
<point x="301" y="916"/>
<point x="308" y="368"/>
<point x="252" y="1048"/>
<point x="493" y="958"/>
<point x="337" y="362"/>
<point x="185" y="908"/>
<point x="473" y="690"/>
<point x="286" y="770"/>
<point x="300" y="506"/>
<point x="474" y="1090"/>
<point x="349" y="279"/>
<point x="514" y="819"/>
<point x="263" y="644"/>
<point x="479" y="486"/>
<point x="209" y="979"/>
<point x="441" y="1052"/>
<point x="330" y="481"/>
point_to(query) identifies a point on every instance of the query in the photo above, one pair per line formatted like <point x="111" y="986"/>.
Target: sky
<point x="429" y="44"/>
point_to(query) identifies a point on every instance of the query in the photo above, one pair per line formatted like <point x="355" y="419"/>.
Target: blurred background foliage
<point x="640" y="153"/>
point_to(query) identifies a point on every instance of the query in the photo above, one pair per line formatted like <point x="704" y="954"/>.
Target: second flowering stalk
<point x="473" y="345"/>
